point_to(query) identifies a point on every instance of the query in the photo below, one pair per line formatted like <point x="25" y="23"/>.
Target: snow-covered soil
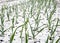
<point x="41" y="38"/>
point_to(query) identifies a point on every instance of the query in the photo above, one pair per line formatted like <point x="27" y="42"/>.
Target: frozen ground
<point x="41" y="38"/>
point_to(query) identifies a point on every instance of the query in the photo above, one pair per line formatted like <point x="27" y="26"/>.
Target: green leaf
<point x="32" y="30"/>
<point x="40" y="31"/>
<point x="12" y="36"/>
<point x="12" y="24"/>
<point x="55" y="27"/>
<point x="21" y="32"/>
<point x="57" y="40"/>
<point x="26" y="36"/>
<point x="47" y="39"/>
<point x="31" y="11"/>
<point x="8" y="16"/>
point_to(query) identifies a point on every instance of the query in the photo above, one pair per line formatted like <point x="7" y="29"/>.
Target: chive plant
<point x="21" y="32"/>
<point x="2" y="24"/>
<point x="26" y="20"/>
<point x="16" y="12"/>
<point x="8" y="15"/>
<point x="57" y="41"/>
<point x="25" y="26"/>
<point x="26" y="37"/>
<point x="2" y="20"/>
<point x="26" y="32"/>
<point x="12" y="24"/>
<point x="8" y="12"/>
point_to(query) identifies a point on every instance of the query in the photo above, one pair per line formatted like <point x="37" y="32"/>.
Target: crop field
<point x="30" y="21"/>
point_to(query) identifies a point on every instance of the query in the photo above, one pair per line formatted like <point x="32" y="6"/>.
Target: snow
<point x="41" y="37"/>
